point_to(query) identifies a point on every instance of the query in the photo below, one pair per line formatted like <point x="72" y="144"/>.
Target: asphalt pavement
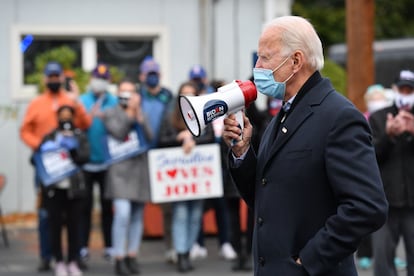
<point x="21" y="257"/>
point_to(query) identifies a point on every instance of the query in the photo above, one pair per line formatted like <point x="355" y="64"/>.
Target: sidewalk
<point x="21" y="258"/>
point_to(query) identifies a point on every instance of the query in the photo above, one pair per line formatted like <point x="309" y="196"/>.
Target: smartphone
<point x="67" y="84"/>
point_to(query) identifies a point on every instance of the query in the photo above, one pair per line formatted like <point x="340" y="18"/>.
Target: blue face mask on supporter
<point x="266" y="84"/>
<point x="152" y="80"/>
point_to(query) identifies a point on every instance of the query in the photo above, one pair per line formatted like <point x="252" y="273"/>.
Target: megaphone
<point x="199" y="111"/>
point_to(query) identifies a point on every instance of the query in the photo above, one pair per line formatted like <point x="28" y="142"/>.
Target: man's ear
<point x="298" y="59"/>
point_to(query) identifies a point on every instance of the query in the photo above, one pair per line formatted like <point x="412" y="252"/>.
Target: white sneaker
<point x="171" y="256"/>
<point x="74" y="270"/>
<point x="227" y="252"/>
<point x="60" y="269"/>
<point x="198" y="252"/>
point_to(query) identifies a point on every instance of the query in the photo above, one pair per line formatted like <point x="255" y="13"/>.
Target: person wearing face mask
<point x="393" y="137"/>
<point x="314" y="184"/>
<point x="376" y="98"/>
<point x="96" y="100"/>
<point x="187" y="214"/>
<point x="198" y="75"/>
<point x="154" y="97"/>
<point x="155" y="102"/>
<point x="63" y="199"/>
<point x="40" y="119"/>
<point x="128" y="180"/>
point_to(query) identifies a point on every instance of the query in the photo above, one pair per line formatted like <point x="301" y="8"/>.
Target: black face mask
<point x="152" y="80"/>
<point x="66" y="125"/>
<point x="54" y="86"/>
<point x="200" y="84"/>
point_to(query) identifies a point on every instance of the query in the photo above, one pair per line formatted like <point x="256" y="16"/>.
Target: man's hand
<point x="298" y="261"/>
<point x="235" y="137"/>
<point x="407" y="119"/>
<point x="394" y="125"/>
<point x="96" y="110"/>
<point x="74" y="90"/>
<point x="134" y="103"/>
<point x="187" y="139"/>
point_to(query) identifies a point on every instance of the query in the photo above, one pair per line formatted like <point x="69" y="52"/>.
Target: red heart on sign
<point x="172" y="173"/>
<point x="64" y="155"/>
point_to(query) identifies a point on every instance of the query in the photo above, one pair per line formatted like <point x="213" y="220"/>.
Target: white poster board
<point x="175" y="176"/>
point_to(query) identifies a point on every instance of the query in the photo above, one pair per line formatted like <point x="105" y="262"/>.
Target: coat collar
<point x="310" y="96"/>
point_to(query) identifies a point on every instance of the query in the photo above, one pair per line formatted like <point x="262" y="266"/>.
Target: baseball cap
<point x="101" y="71"/>
<point x="53" y="68"/>
<point x="197" y="72"/>
<point x="149" y="65"/>
<point x="406" y="77"/>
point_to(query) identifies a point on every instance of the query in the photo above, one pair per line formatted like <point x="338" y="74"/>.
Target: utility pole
<point x="360" y="56"/>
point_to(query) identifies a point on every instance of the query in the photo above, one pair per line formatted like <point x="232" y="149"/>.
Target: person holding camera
<point x="127" y="182"/>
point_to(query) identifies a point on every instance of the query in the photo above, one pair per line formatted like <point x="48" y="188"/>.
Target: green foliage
<point x="329" y="21"/>
<point x="393" y="19"/>
<point x="66" y="57"/>
<point x="336" y="74"/>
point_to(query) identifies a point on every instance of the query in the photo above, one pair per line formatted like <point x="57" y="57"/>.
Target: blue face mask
<point x="152" y="80"/>
<point x="266" y="84"/>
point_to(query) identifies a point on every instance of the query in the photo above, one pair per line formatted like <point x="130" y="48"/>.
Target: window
<point x="125" y="54"/>
<point x="122" y="47"/>
<point x="41" y="45"/>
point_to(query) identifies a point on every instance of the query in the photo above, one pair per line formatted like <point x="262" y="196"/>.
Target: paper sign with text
<point x="176" y="176"/>
<point x="54" y="166"/>
<point x="116" y="150"/>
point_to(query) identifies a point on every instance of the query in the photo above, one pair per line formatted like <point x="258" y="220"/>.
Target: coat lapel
<point x="286" y="130"/>
<point x="300" y="113"/>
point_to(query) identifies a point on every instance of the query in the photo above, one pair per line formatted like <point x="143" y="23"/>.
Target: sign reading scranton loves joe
<point x="177" y="176"/>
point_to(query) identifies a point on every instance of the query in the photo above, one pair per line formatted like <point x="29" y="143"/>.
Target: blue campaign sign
<point x="54" y="165"/>
<point x="119" y="150"/>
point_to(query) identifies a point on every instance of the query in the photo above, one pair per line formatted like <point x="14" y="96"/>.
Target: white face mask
<point x="404" y="101"/>
<point x="376" y="105"/>
<point x="98" y="85"/>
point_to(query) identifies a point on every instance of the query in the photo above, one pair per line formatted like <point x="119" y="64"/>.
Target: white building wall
<point x="228" y="55"/>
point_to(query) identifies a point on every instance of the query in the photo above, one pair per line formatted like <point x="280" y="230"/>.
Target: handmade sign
<point x="176" y="176"/>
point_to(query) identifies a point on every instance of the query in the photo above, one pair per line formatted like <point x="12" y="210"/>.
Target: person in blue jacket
<point x="96" y="100"/>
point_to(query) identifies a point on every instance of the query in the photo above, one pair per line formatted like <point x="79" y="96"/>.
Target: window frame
<point x="21" y="91"/>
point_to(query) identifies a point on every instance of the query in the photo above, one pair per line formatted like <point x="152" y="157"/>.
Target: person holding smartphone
<point x="39" y="120"/>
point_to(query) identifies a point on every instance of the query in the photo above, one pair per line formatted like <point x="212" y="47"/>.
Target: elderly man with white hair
<point x="314" y="183"/>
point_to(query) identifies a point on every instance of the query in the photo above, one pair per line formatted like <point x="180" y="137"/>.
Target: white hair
<point x="297" y="33"/>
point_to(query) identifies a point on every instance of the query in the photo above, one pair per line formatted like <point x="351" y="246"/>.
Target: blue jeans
<point x="186" y="223"/>
<point x="127" y="227"/>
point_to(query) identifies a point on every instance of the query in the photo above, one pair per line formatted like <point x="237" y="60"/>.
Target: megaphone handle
<point x="239" y="118"/>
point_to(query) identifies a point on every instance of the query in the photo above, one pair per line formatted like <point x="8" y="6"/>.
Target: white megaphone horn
<point x="199" y="111"/>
